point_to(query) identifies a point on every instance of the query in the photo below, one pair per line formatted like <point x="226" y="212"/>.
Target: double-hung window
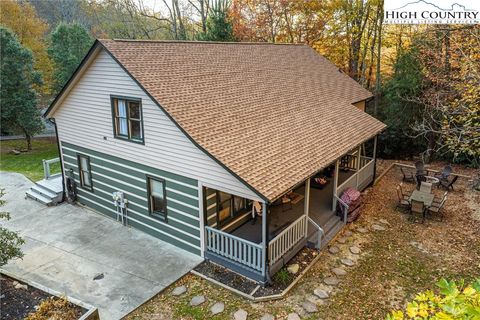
<point x="127" y="118"/>
<point x="157" y="197"/>
<point x="85" y="172"/>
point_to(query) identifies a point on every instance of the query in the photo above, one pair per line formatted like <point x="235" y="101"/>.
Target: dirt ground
<point x="394" y="264"/>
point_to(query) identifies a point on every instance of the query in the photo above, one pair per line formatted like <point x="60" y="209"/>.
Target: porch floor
<point x="280" y="217"/>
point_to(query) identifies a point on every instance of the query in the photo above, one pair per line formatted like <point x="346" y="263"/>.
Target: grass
<point x="28" y="163"/>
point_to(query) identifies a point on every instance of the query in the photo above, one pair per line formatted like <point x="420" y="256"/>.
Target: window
<point x="85" y="172"/>
<point x="156" y="197"/>
<point x="127" y="118"/>
<point x="229" y="206"/>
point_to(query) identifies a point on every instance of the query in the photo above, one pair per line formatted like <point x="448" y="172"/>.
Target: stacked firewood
<point x="353" y="198"/>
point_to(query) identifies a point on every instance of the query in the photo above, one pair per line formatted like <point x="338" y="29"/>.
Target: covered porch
<point x="258" y="247"/>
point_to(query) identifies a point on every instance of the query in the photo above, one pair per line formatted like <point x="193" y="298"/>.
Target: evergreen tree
<point x="69" y="45"/>
<point x="18" y="99"/>
<point x="401" y="106"/>
<point x="219" y="25"/>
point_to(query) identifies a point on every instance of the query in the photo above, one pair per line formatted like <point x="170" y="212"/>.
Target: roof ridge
<point x="206" y="42"/>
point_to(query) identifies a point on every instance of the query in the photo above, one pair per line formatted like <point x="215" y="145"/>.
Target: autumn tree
<point x="69" y="44"/>
<point x="22" y="19"/>
<point x="17" y="81"/>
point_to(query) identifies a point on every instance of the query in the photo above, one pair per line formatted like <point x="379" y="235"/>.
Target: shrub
<point x="55" y="308"/>
<point x="455" y="301"/>
<point x="10" y="241"/>
<point x="282" y="276"/>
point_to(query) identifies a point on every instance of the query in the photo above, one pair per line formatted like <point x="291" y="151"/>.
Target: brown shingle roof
<point x="272" y="114"/>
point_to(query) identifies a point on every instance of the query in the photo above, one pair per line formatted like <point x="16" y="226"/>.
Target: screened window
<point x="156" y="197"/>
<point x="85" y="172"/>
<point x="127" y="119"/>
<point x="229" y="206"/>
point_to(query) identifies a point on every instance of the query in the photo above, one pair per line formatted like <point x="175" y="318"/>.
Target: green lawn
<point x="28" y="163"/>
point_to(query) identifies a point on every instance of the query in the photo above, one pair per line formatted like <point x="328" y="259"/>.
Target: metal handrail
<point x="46" y="167"/>
<point x="321" y="232"/>
<point x="346" y="207"/>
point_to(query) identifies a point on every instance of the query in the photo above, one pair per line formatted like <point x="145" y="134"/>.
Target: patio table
<point x="426" y="198"/>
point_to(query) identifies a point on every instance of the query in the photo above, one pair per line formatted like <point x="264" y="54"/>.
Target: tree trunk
<point x="379" y="51"/>
<point x="29" y="141"/>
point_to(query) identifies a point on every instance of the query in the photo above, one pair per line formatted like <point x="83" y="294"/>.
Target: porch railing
<point x="287" y="239"/>
<point x="365" y="174"/>
<point x="349" y="161"/>
<point x="342" y="208"/>
<point x="47" y="172"/>
<point x="234" y="248"/>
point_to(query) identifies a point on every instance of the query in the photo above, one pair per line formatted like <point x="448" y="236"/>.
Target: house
<point x="195" y="134"/>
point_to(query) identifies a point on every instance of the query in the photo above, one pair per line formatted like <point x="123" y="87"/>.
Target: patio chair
<point x="448" y="184"/>
<point x="426" y="187"/>
<point x="417" y="207"/>
<point x="447" y="170"/>
<point x="437" y="201"/>
<point x="402" y="202"/>
<point x="407" y="175"/>
<point x="420" y="168"/>
<point x="420" y="178"/>
<point x="436" y="208"/>
<point x="406" y="194"/>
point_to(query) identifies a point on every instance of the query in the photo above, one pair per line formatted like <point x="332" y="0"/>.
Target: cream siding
<point x="85" y="119"/>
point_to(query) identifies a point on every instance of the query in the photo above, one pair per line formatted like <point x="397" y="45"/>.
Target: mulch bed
<point x="226" y="276"/>
<point x="18" y="303"/>
<point x="303" y="258"/>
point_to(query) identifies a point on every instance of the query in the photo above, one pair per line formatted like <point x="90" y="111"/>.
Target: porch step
<point x="47" y="191"/>
<point x="331" y="228"/>
<point x="39" y="197"/>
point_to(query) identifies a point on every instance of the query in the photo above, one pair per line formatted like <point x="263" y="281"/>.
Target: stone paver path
<point x="321" y="293"/>
<point x="217" y="308"/>
<point x="309" y="307"/>
<point x="355" y="250"/>
<point x="339" y="271"/>
<point x="334" y="249"/>
<point x="331" y="281"/>
<point x="240" y="315"/>
<point x="197" y="300"/>
<point x="267" y="316"/>
<point x="378" y="227"/>
<point x="179" y="290"/>
<point x="362" y="230"/>
<point x="293" y="316"/>
<point x="347" y="262"/>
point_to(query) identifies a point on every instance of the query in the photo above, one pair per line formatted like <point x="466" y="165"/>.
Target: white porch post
<point x="335" y="184"/>
<point x="264" y="239"/>
<point x="306" y="203"/>
<point x="359" y="152"/>
<point x="374" y="156"/>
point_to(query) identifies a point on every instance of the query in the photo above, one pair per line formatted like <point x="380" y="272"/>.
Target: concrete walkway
<point x="67" y="246"/>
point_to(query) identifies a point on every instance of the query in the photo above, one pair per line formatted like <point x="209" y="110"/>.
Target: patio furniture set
<point x="421" y="201"/>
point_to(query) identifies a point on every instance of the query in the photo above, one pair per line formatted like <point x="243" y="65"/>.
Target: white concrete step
<point x="53" y="185"/>
<point x="39" y="197"/>
<point x="44" y="192"/>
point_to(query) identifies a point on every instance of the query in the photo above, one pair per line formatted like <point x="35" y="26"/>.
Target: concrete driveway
<point x="67" y="245"/>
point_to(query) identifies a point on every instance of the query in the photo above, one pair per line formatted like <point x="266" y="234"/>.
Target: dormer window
<point x="127" y="118"/>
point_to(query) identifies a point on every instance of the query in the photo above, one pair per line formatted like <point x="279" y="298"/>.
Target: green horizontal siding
<point x="110" y="174"/>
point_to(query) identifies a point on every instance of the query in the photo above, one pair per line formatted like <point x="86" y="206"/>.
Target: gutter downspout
<point x="52" y="120"/>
